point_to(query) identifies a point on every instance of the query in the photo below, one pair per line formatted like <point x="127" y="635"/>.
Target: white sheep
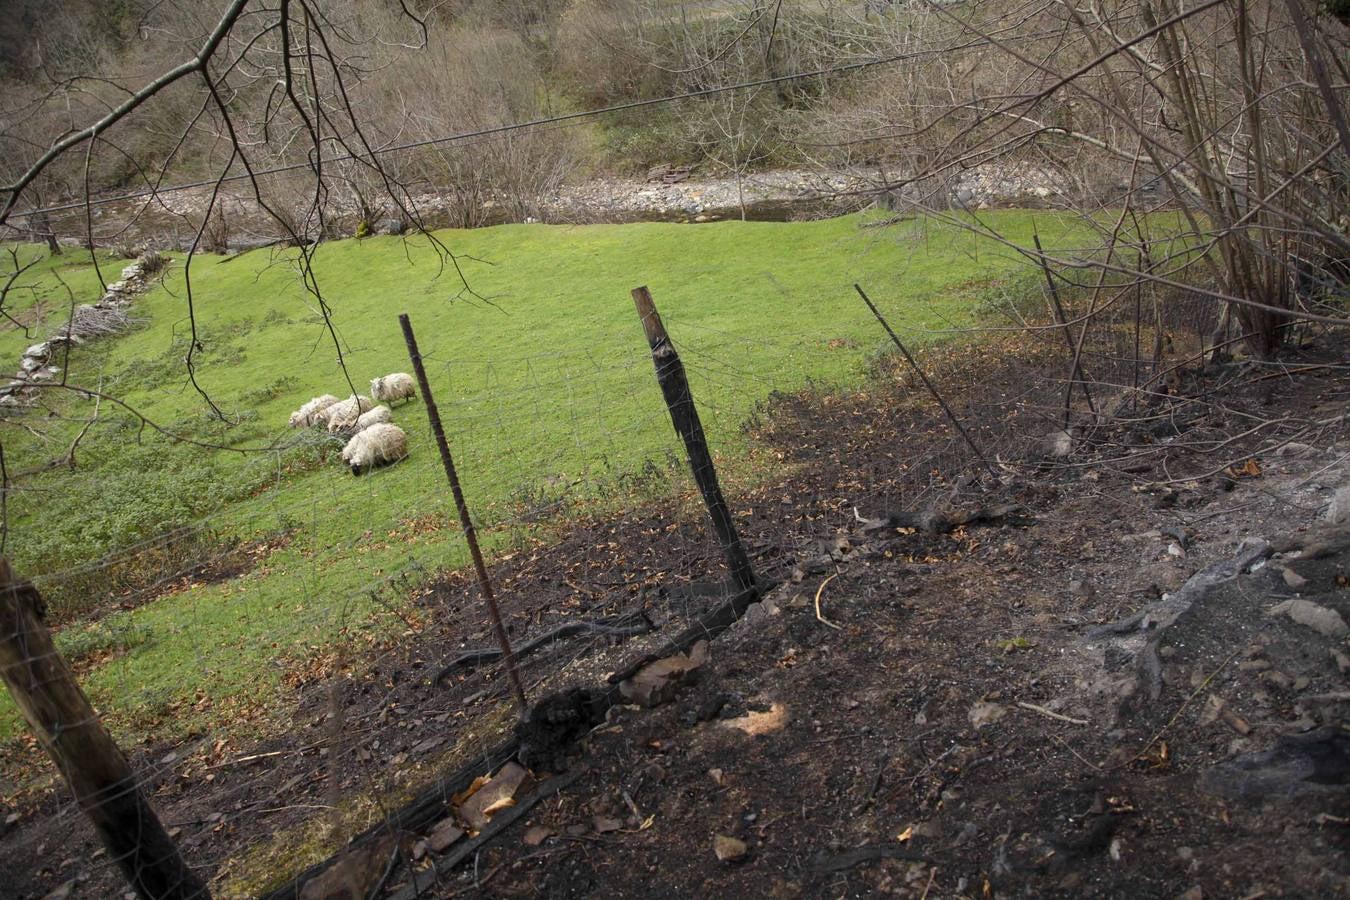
<point x="398" y="386"/>
<point x="380" y="415"/>
<point x="309" y="414"/>
<point x="343" y="414"/>
<point x="378" y="445"/>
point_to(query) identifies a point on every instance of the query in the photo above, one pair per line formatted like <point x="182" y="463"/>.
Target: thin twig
<point x="1051" y="713"/>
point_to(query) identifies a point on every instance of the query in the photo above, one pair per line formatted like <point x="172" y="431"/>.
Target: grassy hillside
<point x="546" y="390"/>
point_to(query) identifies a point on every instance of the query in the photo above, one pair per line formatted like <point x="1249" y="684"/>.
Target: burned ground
<point x="931" y="721"/>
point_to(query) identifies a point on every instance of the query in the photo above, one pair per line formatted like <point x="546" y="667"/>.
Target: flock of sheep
<point x="374" y="439"/>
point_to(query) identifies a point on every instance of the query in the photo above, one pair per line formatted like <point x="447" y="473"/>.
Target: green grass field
<point x="547" y="392"/>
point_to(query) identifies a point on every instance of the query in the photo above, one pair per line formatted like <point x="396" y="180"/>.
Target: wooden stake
<point x="684" y="415"/>
<point x="470" y="535"/>
<point x="44" y="688"/>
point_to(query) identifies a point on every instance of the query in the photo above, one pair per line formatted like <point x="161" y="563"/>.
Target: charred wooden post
<point x="470" y="535"/>
<point x="44" y="688"/>
<point x="684" y="415"/>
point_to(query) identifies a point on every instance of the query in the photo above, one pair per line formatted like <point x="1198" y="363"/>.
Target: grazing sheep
<point x="310" y="413"/>
<point x="398" y="386"/>
<point x="343" y="414"/>
<point x="380" y="415"/>
<point x="378" y="445"/>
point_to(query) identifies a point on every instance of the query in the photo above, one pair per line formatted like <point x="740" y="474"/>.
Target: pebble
<point x="729" y="849"/>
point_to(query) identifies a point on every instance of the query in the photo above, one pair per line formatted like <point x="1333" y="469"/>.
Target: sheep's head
<point x="357" y="469"/>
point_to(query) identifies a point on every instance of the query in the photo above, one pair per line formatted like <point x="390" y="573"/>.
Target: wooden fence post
<point x="44" y="688"/>
<point x="684" y="415"/>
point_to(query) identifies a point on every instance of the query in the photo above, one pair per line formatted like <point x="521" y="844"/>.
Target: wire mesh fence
<point x="294" y="669"/>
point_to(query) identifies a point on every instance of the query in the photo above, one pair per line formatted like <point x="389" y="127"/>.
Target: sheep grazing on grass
<point x="342" y="416"/>
<point x="378" y="445"/>
<point x="311" y="412"/>
<point x="398" y="386"/>
<point x="380" y="415"/>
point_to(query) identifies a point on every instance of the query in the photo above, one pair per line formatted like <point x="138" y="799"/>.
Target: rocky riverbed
<point x="172" y="220"/>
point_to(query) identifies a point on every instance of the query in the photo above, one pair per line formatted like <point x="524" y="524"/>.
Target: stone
<point x="1294" y="580"/>
<point x="1338" y="510"/>
<point x="983" y="713"/>
<point x="392" y="225"/>
<point x="1057" y="444"/>
<point x="1324" y="621"/>
<point x="729" y="849"/>
<point x="443" y="835"/>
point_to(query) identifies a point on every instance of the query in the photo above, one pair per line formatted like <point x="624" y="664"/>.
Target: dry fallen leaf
<point x="905" y="835"/>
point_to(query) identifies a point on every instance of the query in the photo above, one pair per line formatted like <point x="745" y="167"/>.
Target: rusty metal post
<point x="470" y="536"/>
<point x="932" y="389"/>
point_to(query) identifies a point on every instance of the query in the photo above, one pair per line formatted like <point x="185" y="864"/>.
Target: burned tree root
<point x="1154" y="620"/>
<point x="566" y="630"/>
<point x="935" y="521"/>
<point x="707" y="627"/>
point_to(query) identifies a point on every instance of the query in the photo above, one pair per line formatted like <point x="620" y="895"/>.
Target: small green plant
<point x="1014" y="645"/>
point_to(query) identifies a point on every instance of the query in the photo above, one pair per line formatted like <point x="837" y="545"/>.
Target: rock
<point x="1235" y="722"/>
<point x="1195" y="893"/>
<point x="1295" y="581"/>
<point x="755" y="614"/>
<point x="1324" y="621"/>
<point x="1277" y="679"/>
<point x="1057" y="444"/>
<point x="729" y="849"/>
<point x="1342" y="661"/>
<point x="1339" y="509"/>
<point x="983" y="713"/>
<point x="1213" y="709"/>
<point x="443" y="835"/>
<point x="605" y="824"/>
<point x="355" y="873"/>
<point x="393" y="225"/>
<point x="39" y="351"/>
<point x="537" y="834"/>
<point x="61" y="893"/>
